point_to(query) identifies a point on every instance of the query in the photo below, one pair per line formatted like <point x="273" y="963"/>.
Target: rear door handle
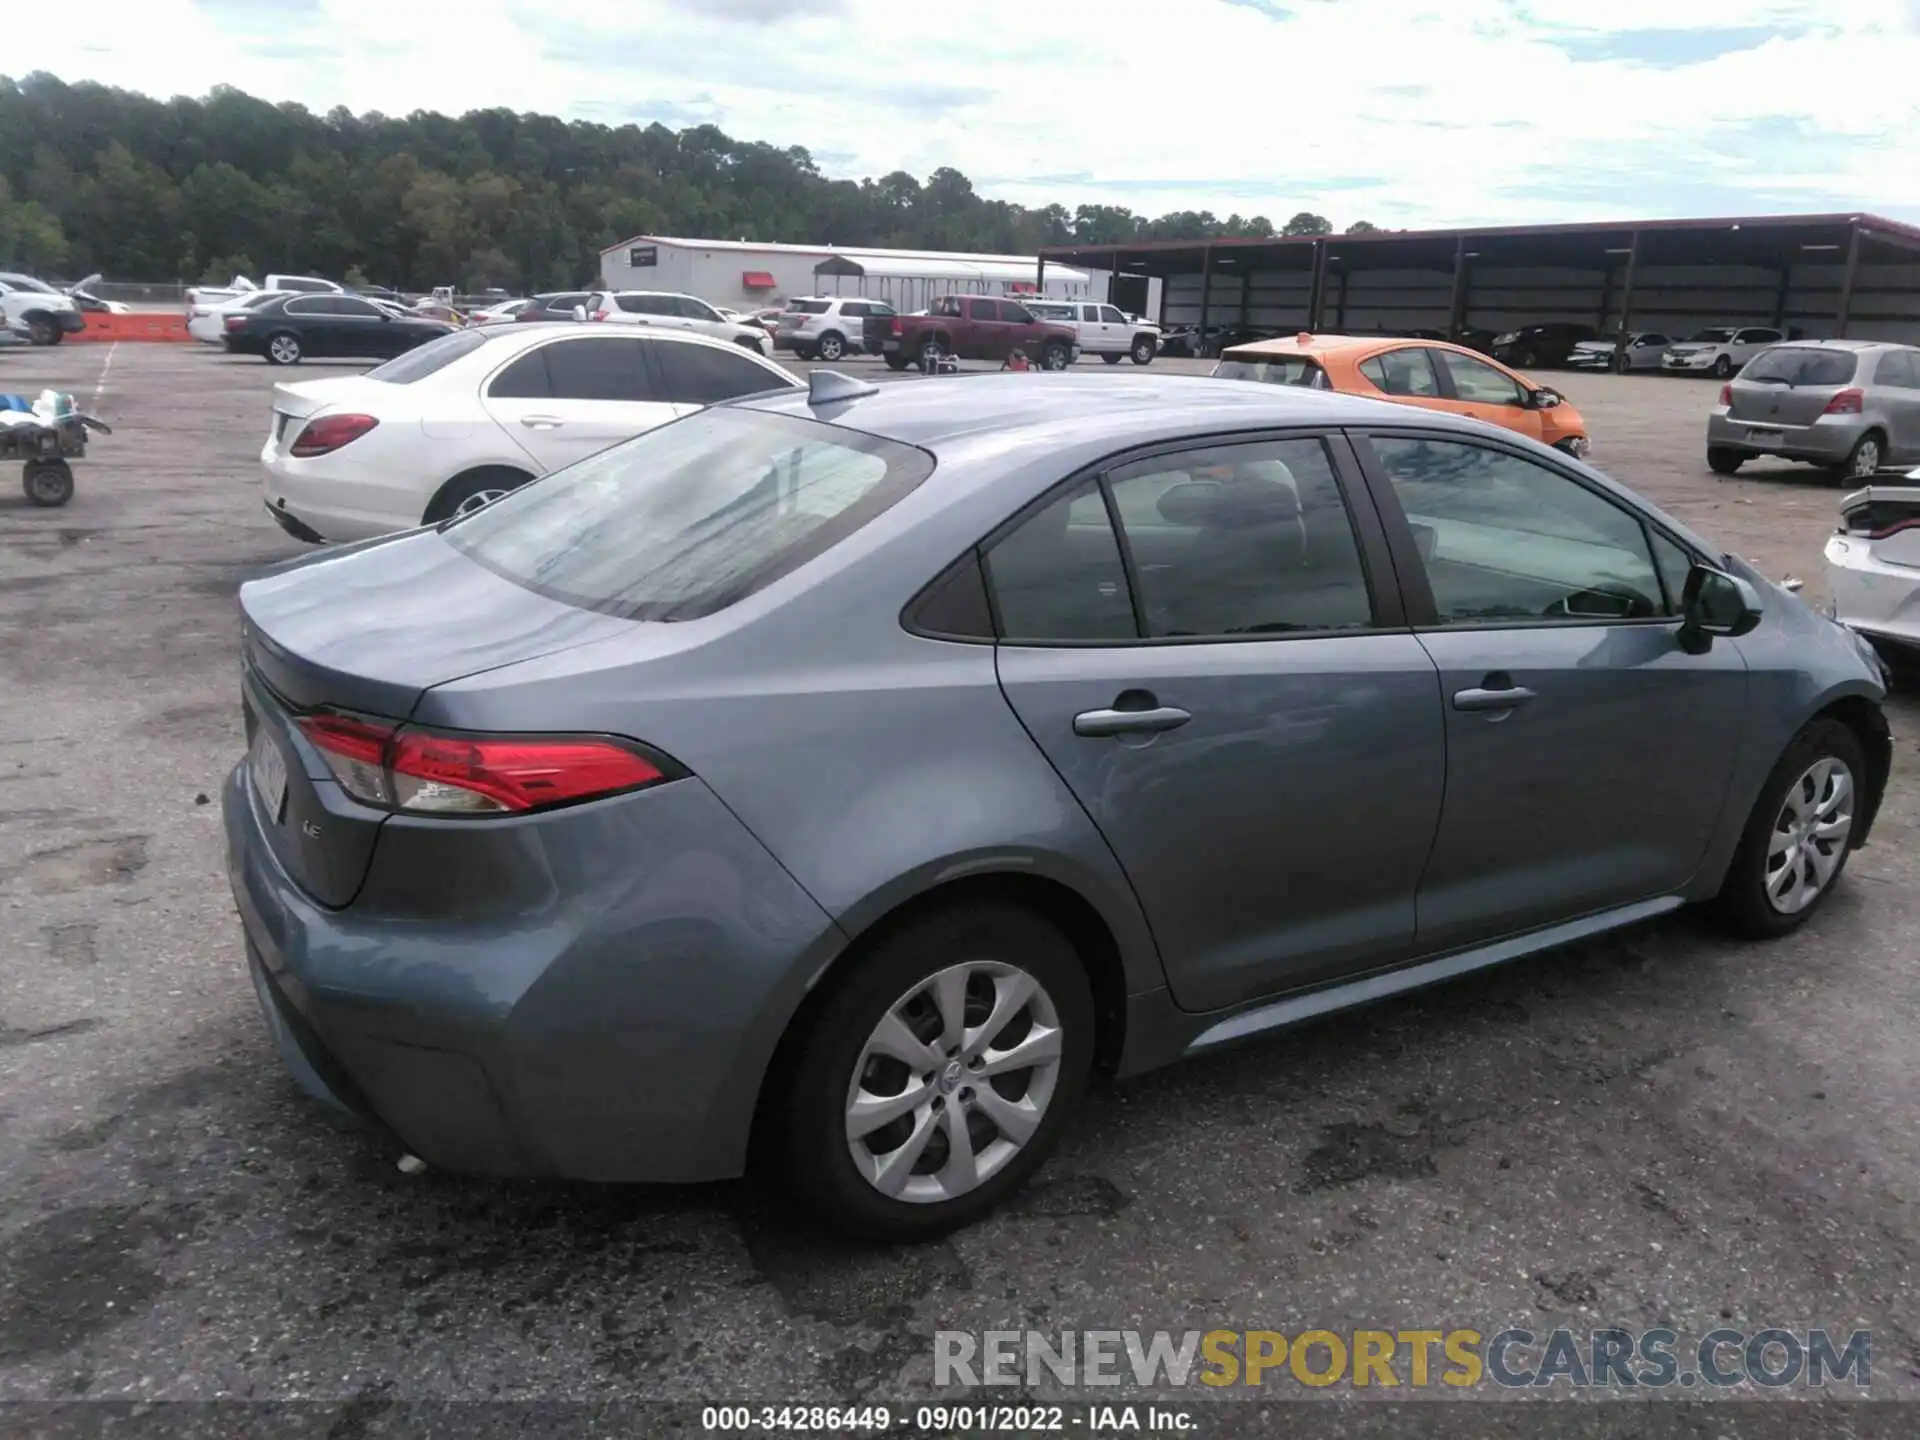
<point x="1478" y="699"/>
<point x="1096" y="723"/>
<point x="542" y="422"/>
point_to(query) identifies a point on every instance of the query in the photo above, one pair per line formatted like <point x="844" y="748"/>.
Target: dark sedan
<point x="1534" y="346"/>
<point x="292" y="328"/>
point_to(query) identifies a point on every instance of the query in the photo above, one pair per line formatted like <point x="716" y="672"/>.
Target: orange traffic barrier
<point x="159" y="326"/>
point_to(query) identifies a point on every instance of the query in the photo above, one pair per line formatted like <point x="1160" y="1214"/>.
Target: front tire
<point x="283" y="349"/>
<point x="1058" y="356"/>
<point x="1622" y="363"/>
<point x="41" y="330"/>
<point x="1143" y="349"/>
<point x="1723" y="367"/>
<point x="1723" y="461"/>
<point x="937" y="1076"/>
<point x="1798" y="835"/>
<point x="47" y="483"/>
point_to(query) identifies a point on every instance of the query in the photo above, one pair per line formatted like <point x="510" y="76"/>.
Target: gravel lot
<point x="1662" y="1129"/>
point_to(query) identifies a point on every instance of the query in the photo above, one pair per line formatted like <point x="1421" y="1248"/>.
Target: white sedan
<point x="1873" y="564"/>
<point x="463" y="419"/>
<point x="207" y="319"/>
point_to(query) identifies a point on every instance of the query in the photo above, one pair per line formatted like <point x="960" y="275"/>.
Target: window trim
<point x="1422" y="611"/>
<point x="1371" y="543"/>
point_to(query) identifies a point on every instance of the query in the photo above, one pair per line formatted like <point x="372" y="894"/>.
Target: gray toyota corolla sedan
<point x="841" y="778"/>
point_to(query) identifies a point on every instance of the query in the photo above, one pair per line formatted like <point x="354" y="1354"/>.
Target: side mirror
<point x="580" y="312"/>
<point x="1545" y="399"/>
<point x="1715" y="603"/>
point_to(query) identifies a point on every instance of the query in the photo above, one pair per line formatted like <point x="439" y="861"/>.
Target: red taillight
<point x="895" y="327"/>
<point x="328" y="433"/>
<point x="1726" y="393"/>
<point x="603" y="314"/>
<point x="234" y="322"/>
<point x="430" y="773"/>
<point x="1850" y="401"/>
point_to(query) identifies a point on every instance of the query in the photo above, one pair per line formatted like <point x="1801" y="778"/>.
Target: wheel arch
<point x="1102" y="940"/>
<point x="469" y="473"/>
<point x="1868" y="722"/>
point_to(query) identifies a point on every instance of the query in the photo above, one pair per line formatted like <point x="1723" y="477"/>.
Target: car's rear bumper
<point x="1828" y="441"/>
<point x="604" y="1009"/>
<point x="1879" y="600"/>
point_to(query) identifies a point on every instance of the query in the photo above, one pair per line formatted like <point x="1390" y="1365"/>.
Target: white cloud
<point x="1404" y="113"/>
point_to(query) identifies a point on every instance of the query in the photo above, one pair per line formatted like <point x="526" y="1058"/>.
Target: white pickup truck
<point x="1104" y="330"/>
<point x="209" y="305"/>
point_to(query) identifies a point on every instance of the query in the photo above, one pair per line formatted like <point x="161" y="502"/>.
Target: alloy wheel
<point x="474" y="501"/>
<point x="830" y="348"/>
<point x="1866" y="458"/>
<point x="284" y="348"/>
<point x="1809" y="838"/>
<point x="953" y="1082"/>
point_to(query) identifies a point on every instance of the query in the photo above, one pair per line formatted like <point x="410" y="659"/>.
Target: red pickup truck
<point x="972" y="327"/>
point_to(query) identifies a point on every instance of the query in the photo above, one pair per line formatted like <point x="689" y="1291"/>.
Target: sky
<point x="1399" y="112"/>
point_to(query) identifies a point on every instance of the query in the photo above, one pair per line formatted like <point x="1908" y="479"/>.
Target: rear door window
<point x="691" y="517"/>
<point x="708" y="374"/>
<point x="1897" y="368"/>
<point x="982" y="310"/>
<point x="1402" y="372"/>
<point x="1058" y="577"/>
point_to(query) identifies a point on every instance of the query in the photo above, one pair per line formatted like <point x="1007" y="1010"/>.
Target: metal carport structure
<point x="1821" y="275"/>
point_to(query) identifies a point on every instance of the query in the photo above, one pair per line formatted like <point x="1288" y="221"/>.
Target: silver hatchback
<point x="1851" y="406"/>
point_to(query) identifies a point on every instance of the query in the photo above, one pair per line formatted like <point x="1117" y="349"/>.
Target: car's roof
<point x="1130" y="409"/>
<point x="1852" y="345"/>
<point x="533" y="329"/>
<point x="1311" y="345"/>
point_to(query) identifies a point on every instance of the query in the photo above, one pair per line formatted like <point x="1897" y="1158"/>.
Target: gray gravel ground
<point x="1659" y="1129"/>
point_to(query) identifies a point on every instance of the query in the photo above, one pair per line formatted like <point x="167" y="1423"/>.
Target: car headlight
<point x="1506" y="339"/>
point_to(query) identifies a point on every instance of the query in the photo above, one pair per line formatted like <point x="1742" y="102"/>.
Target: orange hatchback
<point x="1429" y="373"/>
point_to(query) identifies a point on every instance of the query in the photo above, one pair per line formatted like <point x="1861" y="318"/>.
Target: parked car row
<point x="844" y="774"/>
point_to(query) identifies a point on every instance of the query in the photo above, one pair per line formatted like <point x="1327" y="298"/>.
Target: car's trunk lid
<point x="1765" y="403"/>
<point x="367" y="630"/>
<point x="303" y="399"/>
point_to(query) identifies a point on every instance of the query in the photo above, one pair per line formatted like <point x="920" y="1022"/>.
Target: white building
<point x="743" y="275"/>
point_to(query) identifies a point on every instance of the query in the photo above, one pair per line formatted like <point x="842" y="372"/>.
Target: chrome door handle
<point x="542" y="422"/>
<point x="1491" y="699"/>
<point x="1095" y="723"/>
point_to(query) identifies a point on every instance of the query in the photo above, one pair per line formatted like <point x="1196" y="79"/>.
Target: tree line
<point x="95" y="178"/>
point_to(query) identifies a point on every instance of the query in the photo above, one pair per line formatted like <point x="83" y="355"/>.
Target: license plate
<point x="267" y="767"/>
<point x="1765" y="437"/>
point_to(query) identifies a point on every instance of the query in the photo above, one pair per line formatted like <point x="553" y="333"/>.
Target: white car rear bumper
<point x="1879" y="600"/>
<point x="343" y="499"/>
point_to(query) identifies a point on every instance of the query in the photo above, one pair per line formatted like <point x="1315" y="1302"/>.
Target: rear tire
<point x="1864" y="459"/>
<point x="471" y="490"/>
<point x="810" y="1120"/>
<point x="1143" y="350"/>
<point x="896" y="361"/>
<point x="283" y="348"/>
<point x="1781" y="849"/>
<point x="1723" y="461"/>
<point x="831" y="347"/>
<point x="1112" y="357"/>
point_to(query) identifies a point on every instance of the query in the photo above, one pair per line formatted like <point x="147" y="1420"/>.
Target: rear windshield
<point x="1274" y="370"/>
<point x="1784" y="365"/>
<point x="687" y="519"/>
<point x="808" y="307"/>
<point x="423" y="360"/>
